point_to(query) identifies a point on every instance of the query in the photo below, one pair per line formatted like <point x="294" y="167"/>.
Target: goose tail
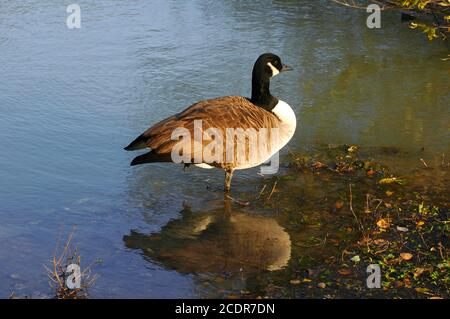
<point x="150" y="157"/>
<point x="139" y="143"/>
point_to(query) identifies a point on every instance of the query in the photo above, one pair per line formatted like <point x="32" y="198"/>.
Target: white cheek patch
<point x="274" y="69"/>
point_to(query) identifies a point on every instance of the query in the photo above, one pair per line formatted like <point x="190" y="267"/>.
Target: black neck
<point x="260" y="92"/>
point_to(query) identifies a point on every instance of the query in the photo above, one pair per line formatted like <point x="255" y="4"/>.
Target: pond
<point x="70" y="100"/>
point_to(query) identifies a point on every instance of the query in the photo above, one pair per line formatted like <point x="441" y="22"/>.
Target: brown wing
<point x="221" y="113"/>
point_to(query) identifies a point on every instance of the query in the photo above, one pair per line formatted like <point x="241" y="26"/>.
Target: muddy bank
<point x="344" y="210"/>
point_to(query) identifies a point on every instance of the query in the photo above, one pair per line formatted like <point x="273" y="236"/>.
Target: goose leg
<point x="228" y="177"/>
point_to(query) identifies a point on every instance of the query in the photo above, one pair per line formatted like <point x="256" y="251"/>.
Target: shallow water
<point x="70" y="100"/>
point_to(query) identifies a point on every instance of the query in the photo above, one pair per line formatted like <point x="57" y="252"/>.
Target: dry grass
<point x="58" y="275"/>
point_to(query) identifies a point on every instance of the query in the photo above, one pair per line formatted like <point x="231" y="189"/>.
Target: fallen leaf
<point x="370" y="172"/>
<point x="356" y="259"/>
<point x="402" y="229"/>
<point x="407" y="282"/>
<point x="389" y="193"/>
<point x="420" y="223"/>
<point x="318" y="165"/>
<point x="307" y="280"/>
<point x="339" y="204"/>
<point x="321" y="285"/>
<point x="422" y="290"/>
<point x="420" y="208"/>
<point x="352" y="148"/>
<point x="344" y="272"/>
<point x="380" y="242"/>
<point x="419" y="271"/>
<point x="383" y="223"/>
<point x="334" y="241"/>
<point x="295" y="282"/>
<point x="390" y="180"/>
<point x="406" y="256"/>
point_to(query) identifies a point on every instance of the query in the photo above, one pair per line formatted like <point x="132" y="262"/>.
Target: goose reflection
<point x="217" y="241"/>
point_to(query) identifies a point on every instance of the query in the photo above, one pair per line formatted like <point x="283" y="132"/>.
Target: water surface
<point x="70" y="100"/>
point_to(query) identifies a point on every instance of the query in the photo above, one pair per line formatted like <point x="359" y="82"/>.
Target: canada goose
<point x="261" y="112"/>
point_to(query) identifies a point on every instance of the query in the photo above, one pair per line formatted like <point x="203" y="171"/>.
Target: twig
<point x="353" y="4"/>
<point x="380" y="201"/>
<point x="262" y="191"/>
<point x="238" y="201"/>
<point x="424" y="163"/>
<point x="273" y="190"/>
<point x="367" y="210"/>
<point x="351" y="209"/>
<point x="58" y="274"/>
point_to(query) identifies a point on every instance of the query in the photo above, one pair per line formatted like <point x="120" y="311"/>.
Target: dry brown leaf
<point x="407" y="282"/>
<point x="339" y="204"/>
<point x="383" y="223"/>
<point x="380" y="242"/>
<point x="318" y="165"/>
<point x="422" y="290"/>
<point x="352" y="149"/>
<point x="370" y="172"/>
<point x="390" y="180"/>
<point x="406" y="256"/>
<point x="344" y="272"/>
<point x="420" y="270"/>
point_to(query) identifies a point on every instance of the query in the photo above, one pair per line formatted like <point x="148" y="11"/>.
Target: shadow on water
<point x="223" y="240"/>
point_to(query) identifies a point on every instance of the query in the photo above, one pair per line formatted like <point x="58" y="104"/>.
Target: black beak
<point x="285" y="67"/>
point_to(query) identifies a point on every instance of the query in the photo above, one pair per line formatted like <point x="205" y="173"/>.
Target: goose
<point x="260" y="113"/>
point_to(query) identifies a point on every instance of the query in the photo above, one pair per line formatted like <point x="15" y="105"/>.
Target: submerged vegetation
<point x="60" y="272"/>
